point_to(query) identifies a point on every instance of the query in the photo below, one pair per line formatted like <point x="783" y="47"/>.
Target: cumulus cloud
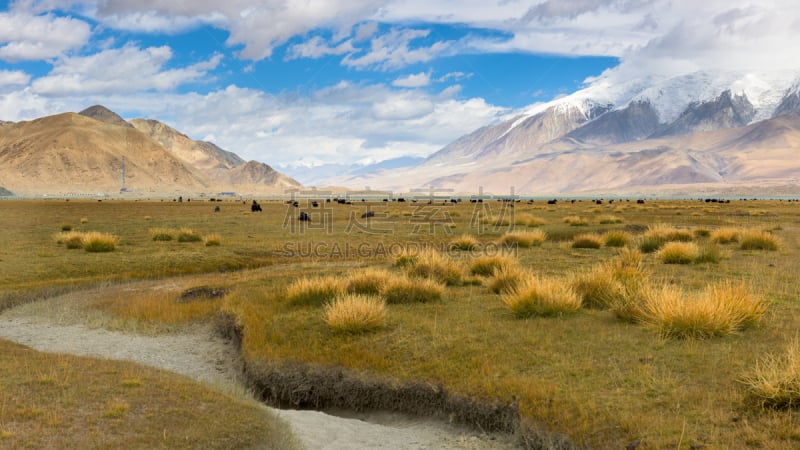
<point x="25" y="37"/>
<point x="119" y="70"/>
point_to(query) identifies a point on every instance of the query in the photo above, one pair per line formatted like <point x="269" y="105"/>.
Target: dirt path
<point x="55" y="325"/>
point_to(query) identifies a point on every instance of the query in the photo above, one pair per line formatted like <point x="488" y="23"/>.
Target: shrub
<point x="84" y="220"/>
<point x="524" y="239"/>
<point x="758" y="240"/>
<point x="678" y="253"/>
<point x="355" y="313"/>
<point x="433" y="265"/>
<point x="187" y="235"/>
<point x="719" y="310"/>
<point x="212" y="239"/>
<point x="725" y="235"/>
<point x="587" y="240"/>
<point x="314" y="291"/>
<point x="506" y="279"/>
<point x="465" y="242"/>
<point x="405" y="290"/>
<point x="487" y="265"/>
<point x="609" y="219"/>
<point x="576" y="221"/>
<point x="617" y="238"/>
<point x="775" y="380"/>
<point x="537" y="296"/>
<point x="367" y="282"/>
<point x="97" y="242"/>
<point x="66" y="227"/>
<point x="161" y="234"/>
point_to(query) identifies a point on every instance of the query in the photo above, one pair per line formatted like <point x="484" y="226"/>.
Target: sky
<point x="307" y="82"/>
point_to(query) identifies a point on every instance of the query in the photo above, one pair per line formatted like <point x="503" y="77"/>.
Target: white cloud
<point x="25" y="36"/>
<point x="316" y="47"/>
<point x="14" y="78"/>
<point x="414" y="80"/>
<point x="393" y="50"/>
<point x="119" y="70"/>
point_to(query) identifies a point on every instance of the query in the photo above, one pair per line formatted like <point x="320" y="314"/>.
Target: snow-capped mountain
<point x="620" y="120"/>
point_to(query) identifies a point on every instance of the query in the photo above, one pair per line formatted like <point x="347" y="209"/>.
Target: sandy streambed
<point x="54" y="325"/>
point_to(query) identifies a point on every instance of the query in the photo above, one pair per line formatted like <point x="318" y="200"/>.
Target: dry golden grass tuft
<point x="188" y="235"/>
<point x="436" y="266"/>
<point x="524" y="239"/>
<point x="465" y="242"/>
<point x="540" y="296"/>
<point x="701" y="231"/>
<point x="598" y="288"/>
<point x="70" y="239"/>
<point x="212" y="240"/>
<point x="754" y="239"/>
<point x="505" y="279"/>
<point x="314" y="291"/>
<point x="725" y="235"/>
<point x="84" y="220"/>
<point x="609" y="219"/>
<point x="719" y="310"/>
<point x="678" y="253"/>
<point x="368" y="281"/>
<point x="487" y="265"/>
<point x="587" y="240"/>
<point x="406" y="290"/>
<point x="529" y="220"/>
<point x="617" y="238"/>
<point x="97" y="242"/>
<point x="576" y="221"/>
<point x="161" y="234"/>
<point x="355" y="313"/>
<point x="775" y="380"/>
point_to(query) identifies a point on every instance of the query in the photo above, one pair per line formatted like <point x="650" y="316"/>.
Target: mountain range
<point x="98" y="152"/>
<point x="721" y="132"/>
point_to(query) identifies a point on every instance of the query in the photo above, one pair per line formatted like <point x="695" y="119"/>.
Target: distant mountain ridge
<point x="678" y="132"/>
<point x="84" y="153"/>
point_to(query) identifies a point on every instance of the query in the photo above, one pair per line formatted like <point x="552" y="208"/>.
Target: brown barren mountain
<point x="77" y="154"/>
<point x="762" y="158"/>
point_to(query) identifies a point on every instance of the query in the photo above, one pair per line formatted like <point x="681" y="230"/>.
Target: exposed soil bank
<point x="305" y="386"/>
<point x="54" y="325"/>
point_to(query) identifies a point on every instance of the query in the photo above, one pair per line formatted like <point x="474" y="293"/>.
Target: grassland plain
<point x="586" y="378"/>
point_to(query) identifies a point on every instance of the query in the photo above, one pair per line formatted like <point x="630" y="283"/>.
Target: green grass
<point x="57" y="401"/>
<point x="601" y="381"/>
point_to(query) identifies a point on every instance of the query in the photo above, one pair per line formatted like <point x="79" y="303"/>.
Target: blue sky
<point x="308" y="82"/>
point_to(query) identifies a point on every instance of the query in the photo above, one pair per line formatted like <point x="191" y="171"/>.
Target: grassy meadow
<point x="666" y="324"/>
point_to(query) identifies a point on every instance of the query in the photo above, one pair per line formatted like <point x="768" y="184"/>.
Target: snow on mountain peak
<point x="671" y="95"/>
